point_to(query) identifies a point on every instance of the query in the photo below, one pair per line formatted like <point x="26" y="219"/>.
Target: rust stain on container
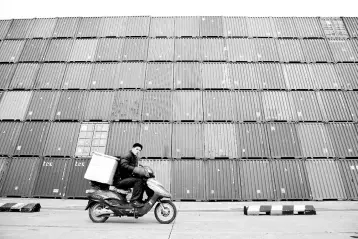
<point x="162" y="27"/>
<point x="240" y="49"/>
<point x="342" y="51"/>
<point x="247" y="106"/>
<point x="290" y="179"/>
<point x="24" y="76"/>
<point x="92" y="138"/>
<point x="218" y="105"/>
<point x="131" y="75"/>
<point x="290" y="50"/>
<point x="264" y="49"/>
<point x="162" y="170"/>
<point x="188" y="180"/>
<point x="99" y="105"/>
<point x="104" y="76"/>
<point x="284" y="27"/>
<point x="4" y="27"/>
<point x="77" y="184"/>
<point x="42" y="27"/>
<point x="10" y="50"/>
<point x="84" y="50"/>
<point x="220" y="140"/>
<point x="315" y="140"/>
<point x="159" y="76"/>
<point x="161" y="49"/>
<point x="344" y="139"/>
<point x="211" y="26"/>
<point x="88" y="27"/>
<point x="188" y="140"/>
<point x="348" y="75"/>
<point x="333" y="27"/>
<point x="213" y="49"/>
<point x="6" y="73"/>
<point x="256" y="180"/>
<point x="348" y="169"/>
<point x="156" y="139"/>
<point x="127" y="105"/>
<point x="138" y="26"/>
<point x="298" y="76"/>
<point x="187" y="49"/>
<point x="77" y="76"/>
<point x="351" y="25"/>
<point x="187" y="75"/>
<point x="157" y="105"/>
<point x="135" y="49"/>
<point x="276" y="106"/>
<point x="243" y="76"/>
<point x="109" y="49"/>
<point x="59" y="50"/>
<point x="34" y="50"/>
<point x="308" y="27"/>
<point x="52" y="178"/>
<point x="66" y="27"/>
<point x="260" y="27"/>
<point x="9" y="134"/>
<point x="333" y="106"/>
<point x="325" y="179"/>
<point x="21" y="177"/>
<point x="112" y="26"/>
<point x="71" y="105"/>
<point x="216" y="76"/>
<point x="188" y="105"/>
<point x="352" y="99"/>
<point x="62" y="139"/>
<point x="122" y="136"/>
<point x="316" y="50"/>
<point x="187" y="26"/>
<point x="305" y="106"/>
<point x="235" y="26"/>
<point x="270" y="75"/>
<point x="222" y="180"/>
<point x="19" y="28"/>
<point x="42" y="105"/>
<point x="50" y="76"/>
<point x="14" y="104"/>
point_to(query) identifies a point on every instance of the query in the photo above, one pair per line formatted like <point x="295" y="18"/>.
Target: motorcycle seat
<point x="120" y="190"/>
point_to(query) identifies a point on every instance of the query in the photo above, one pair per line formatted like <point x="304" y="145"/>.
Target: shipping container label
<point x="47" y="164"/>
<point x="55" y="191"/>
<point x="79" y="164"/>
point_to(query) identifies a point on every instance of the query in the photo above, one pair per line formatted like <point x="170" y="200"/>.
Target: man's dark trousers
<point x="136" y="183"/>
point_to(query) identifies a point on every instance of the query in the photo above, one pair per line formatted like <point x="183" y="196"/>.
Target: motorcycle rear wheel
<point x="167" y="215"/>
<point x="92" y="213"/>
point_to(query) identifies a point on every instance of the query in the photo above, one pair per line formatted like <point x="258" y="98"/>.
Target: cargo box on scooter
<point x="101" y="168"/>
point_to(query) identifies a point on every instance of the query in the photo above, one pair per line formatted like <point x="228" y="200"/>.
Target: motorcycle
<point x="103" y="204"/>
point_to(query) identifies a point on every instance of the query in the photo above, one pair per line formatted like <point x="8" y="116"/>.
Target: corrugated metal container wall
<point x="344" y="139"/>
<point x="187" y="49"/>
<point x="88" y="27"/>
<point x="222" y="180"/>
<point x="135" y="49"/>
<point x="42" y="28"/>
<point x="10" y="50"/>
<point x="32" y="138"/>
<point x="59" y="50"/>
<point x="349" y="172"/>
<point x="104" y="76"/>
<point x="62" y="139"/>
<point x="315" y="140"/>
<point x="284" y="27"/>
<point x="112" y="26"/>
<point x="138" y="26"/>
<point x="159" y="76"/>
<point x="52" y="178"/>
<point x="308" y="27"/>
<point x="333" y="27"/>
<point x="216" y="76"/>
<point x="247" y="106"/>
<point x="240" y="49"/>
<point x="290" y="179"/>
<point x="235" y="26"/>
<point x="256" y="180"/>
<point x="161" y="49"/>
<point x="220" y="140"/>
<point x="127" y="105"/>
<point x="188" y="140"/>
<point x="351" y="25"/>
<point x="354" y="43"/>
<point x="316" y="50"/>
<point x="218" y="106"/>
<point x="211" y="26"/>
<point x="325" y="179"/>
<point x="157" y="105"/>
<point x="19" y="29"/>
<point x="34" y="50"/>
<point x="77" y="76"/>
<point x="24" y="76"/>
<point x="121" y="137"/>
<point x="260" y="27"/>
<point x="99" y="105"/>
<point x="188" y="105"/>
<point x="298" y="76"/>
<point x="66" y="27"/>
<point x="188" y="180"/>
<point x="4" y="165"/>
<point x="290" y="50"/>
<point x="21" y="177"/>
<point x="162" y="170"/>
<point x="283" y="139"/>
<point x="84" y="50"/>
<point x="109" y="49"/>
<point x="157" y="138"/>
<point x="252" y="140"/>
<point x="42" y="105"/>
<point x="264" y="49"/>
<point x="9" y="134"/>
<point x="305" y="106"/>
<point x="6" y="73"/>
<point x="243" y="76"/>
<point x="213" y="49"/>
<point x="162" y="27"/>
<point x="14" y="104"/>
<point x="348" y="75"/>
<point x="131" y="75"/>
<point x="4" y="27"/>
<point x="50" y="76"/>
<point x="270" y="75"/>
<point x="187" y="75"/>
<point x="352" y="99"/>
<point x="276" y="106"/>
<point x="77" y="184"/>
<point x="333" y="106"/>
<point x="71" y="105"/>
<point x="342" y="51"/>
<point x="187" y="26"/>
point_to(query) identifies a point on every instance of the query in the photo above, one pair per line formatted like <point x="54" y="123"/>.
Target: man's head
<point x="136" y="148"/>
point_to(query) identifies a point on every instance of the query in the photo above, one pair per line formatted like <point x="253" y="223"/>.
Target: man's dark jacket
<point x="126" y="166"/>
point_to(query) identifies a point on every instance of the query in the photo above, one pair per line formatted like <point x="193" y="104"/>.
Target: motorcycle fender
<point x="89" y="204"/>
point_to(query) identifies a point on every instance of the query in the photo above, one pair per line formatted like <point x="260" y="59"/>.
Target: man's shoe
<point x="137" y="204"/>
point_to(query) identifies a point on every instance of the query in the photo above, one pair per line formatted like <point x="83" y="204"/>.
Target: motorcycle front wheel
<point x="165" y="212"/>
<point x="93" y="211"/>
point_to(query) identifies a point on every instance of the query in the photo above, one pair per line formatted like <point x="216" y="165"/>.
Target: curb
<point x="20" y="207"/>
<point x="280" y="210"/>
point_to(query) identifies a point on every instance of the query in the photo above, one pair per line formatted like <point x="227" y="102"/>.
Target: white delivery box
<point x="101" y="168"/>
